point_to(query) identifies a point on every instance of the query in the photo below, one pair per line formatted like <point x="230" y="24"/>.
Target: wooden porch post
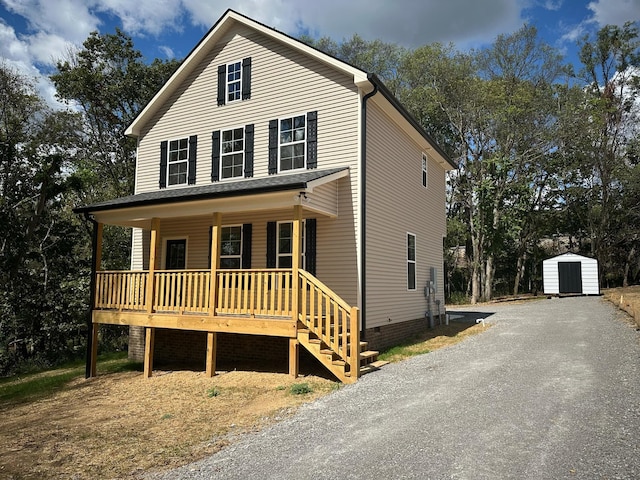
<point x="212" y="337"/>
<point x="215" y="260"/>
<point x="92" y="347"/>
<point x="148" y="351"/>
<point x="293" y="357"/>
<point x="153" y="249"/>
<point x="212" y="340"/>
<point x="295" y="286"/>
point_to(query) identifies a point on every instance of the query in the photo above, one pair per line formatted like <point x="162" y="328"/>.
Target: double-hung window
<point x="285" y="245"/>
<point x="231" y="247"/>
<point x="411" y="261"/>
<point x="292" y="142"/>
<point x="232" y="153"/>
<point x="178" y="158"/>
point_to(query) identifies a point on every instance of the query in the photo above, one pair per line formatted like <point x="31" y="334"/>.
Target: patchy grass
<point x="37" y="385"/>
<point x="121" y="425"/>
<point x="438" y="337"/>
<point x="627" y="299"/>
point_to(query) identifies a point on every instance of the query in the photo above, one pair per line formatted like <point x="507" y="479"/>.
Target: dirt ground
<point x="627" y="299"/>
<point x="121" y="425"/>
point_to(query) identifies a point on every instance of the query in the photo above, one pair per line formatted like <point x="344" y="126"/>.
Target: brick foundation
<point x="180" y="348"/>
<point x="385" y="336"/>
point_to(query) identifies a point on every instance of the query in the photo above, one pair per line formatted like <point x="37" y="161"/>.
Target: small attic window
<point x="234" y="81"/>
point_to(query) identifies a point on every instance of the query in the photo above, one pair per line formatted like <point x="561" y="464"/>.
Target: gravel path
<point x="551" y="391"/>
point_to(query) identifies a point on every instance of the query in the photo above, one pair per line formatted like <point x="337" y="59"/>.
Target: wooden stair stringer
<point x="324" y="355"/>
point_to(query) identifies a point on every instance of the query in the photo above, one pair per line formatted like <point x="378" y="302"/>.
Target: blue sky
<point x="36" y="33"/>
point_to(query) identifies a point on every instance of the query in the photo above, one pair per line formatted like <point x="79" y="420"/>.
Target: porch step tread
<point x="368" y="354"/>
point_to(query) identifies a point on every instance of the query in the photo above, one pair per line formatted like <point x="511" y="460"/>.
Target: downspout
<point x="363" y="211"/>
<point x="92" y="292"/>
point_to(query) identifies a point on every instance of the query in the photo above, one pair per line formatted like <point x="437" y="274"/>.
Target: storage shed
<point x="570" y="273"/>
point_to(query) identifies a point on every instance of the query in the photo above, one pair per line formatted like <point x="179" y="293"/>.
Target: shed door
<point x="570" y="277"/>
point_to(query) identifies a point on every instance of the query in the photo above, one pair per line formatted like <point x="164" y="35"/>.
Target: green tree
<point x="39" y="238"/>
<point x="601" y="154"/>
<point x="109" y="82"/>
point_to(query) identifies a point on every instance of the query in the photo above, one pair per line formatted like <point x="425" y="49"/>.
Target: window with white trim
<point x="411" y="261"/>
<point x="292" y="143"/>
<point x="284" y="242"/>
<point x="425" y="164"/>
<point x="232" y="153"/>
<point x="178" y="159"/>
<point x="231" y="246"/>
<point x="234" y="81"/>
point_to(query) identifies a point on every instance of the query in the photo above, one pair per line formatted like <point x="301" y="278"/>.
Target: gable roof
<point x="220" y="28"/>
<point x="361" y="78"/>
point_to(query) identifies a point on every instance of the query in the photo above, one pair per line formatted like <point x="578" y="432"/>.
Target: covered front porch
<point x="282" y="300"/>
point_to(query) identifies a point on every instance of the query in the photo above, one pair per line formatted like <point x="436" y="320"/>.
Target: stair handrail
<point x="352" y="333"/>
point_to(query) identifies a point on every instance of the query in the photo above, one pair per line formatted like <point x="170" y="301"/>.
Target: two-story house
<point x="283" y="198"/>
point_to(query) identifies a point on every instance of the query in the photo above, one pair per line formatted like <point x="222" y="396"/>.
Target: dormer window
<point x="234" y="81"/>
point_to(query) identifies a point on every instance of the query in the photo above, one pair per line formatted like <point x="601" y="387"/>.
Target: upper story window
<point x="425" y="164"/>
<point x="232" y="153"/>
<point x="234" y="81"/>
<point x="178" y="161"/>
<point x="292" y="140"/>
<point x="293" y="143"/>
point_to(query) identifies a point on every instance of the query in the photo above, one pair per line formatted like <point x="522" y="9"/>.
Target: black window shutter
<point x="248" y="151"/>
<point x="215" y="156"/>
<point x="193" y="150"/>
<point x="273" y="147"/>
<point x="163" y="164"/>
<point x="246" y="245"/>
<point x="222" y="84"/>
<point x="310" y="245"/>
<point x="312" y="139"/>
<point x="246" y="78"/>
<point x="271" y="245"/>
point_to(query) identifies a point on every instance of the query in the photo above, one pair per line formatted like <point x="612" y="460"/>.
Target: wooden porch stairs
<point x="340" y="368"/>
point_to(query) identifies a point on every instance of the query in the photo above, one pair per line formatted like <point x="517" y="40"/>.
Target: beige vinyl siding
<point x="335" y="243"/>
<point x="325" y="198"/>
<point x="284" y="82"/>
<point x="136" y="249"/>
<point x="398" y="204"/>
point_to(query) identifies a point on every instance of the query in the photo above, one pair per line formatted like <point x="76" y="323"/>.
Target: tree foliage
<point x="52" y="161"/>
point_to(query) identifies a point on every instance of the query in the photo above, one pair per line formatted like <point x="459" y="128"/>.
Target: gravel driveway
<point x="551" y="391"/>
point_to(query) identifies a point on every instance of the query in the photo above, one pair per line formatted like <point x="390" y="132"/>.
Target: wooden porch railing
<point x="331" y="319"/>
<point x="239" y="292"/>
<point x="182" y="291"/>
<point x="121" y="290"/>
<point x="255" y="292"/>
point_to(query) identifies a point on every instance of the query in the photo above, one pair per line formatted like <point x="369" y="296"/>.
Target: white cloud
<point x="614" y="12"/>
<point x="167" y="51"/>
<point x="553" y="5"/>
